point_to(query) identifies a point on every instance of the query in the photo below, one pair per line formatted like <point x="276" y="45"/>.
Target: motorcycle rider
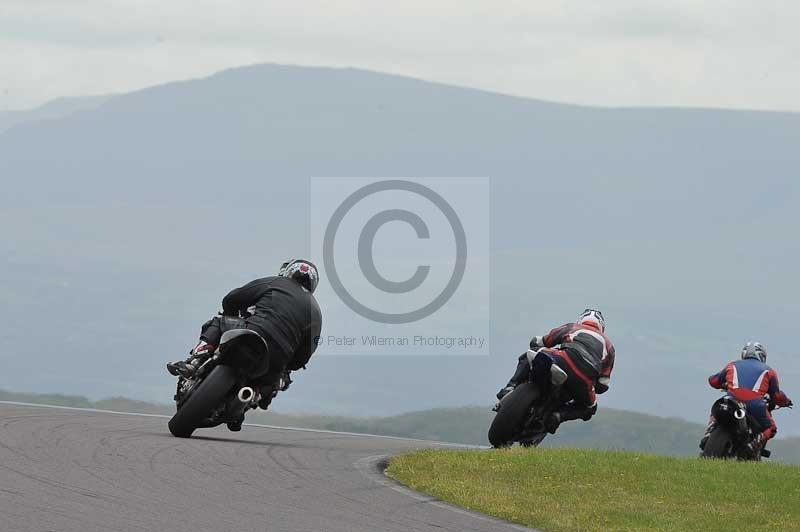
<point x="755" y="384"/>
<point x="585" y="354"/>
<point x="281" y="309"/>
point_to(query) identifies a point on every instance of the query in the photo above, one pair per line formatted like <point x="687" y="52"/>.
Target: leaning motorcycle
<point x="521" y="414"/>
<point x="734" y="429"/>
<point x="223" y="389"/>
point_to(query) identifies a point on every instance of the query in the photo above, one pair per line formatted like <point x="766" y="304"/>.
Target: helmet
<point x="302" y="271"/>
<point x="594" y="317"/>
<point x="754" y="350"/>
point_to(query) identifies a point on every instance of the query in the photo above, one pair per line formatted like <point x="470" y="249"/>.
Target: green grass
<point x="571" y="490"/>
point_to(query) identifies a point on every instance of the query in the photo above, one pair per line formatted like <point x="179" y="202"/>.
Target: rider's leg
<point x="210" y="335"/>
<point x="521" y="374"/>
<point x="758" y="409"/>
<point x="580" y="388"/>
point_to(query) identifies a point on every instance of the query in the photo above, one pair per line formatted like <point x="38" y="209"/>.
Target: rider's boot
<point x="568" y="412"/>
<point x="197" y="356"/>
<point x="507" y="389"/>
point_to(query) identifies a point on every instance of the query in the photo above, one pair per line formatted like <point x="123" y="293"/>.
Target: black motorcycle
<point x="223" y="389"/>
<point x="735" y="428"/>
<point x="521" y="414"/>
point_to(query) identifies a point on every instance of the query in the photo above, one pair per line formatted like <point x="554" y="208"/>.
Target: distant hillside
<point x="609" y="430"/>
<point x="59" y="108"/>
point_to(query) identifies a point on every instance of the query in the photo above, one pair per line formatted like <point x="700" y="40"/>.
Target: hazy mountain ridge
<point x="53" y="110"/>
<point x="679" y="223"/>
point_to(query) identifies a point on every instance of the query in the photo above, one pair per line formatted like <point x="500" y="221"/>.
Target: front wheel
<point x="719" y="444"/>
<point x="512" y="414"/>
<point x="202" y="402"/>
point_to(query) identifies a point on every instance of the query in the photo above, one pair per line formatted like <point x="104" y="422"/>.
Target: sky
<point x="686" y="53"/>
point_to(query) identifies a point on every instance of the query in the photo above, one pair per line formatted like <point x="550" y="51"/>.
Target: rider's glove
<point x="537" y="342"/>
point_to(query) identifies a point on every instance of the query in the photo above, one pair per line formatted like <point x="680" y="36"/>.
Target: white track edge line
<point x="257" y="425"/>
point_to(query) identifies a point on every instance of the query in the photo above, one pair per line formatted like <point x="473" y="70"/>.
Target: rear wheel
<point x="719" y="444"/>
<point x="202" y="402"/>
<point x="513" y="412"/>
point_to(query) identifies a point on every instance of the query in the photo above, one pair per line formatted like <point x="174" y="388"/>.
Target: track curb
<point x="374" y="468"/>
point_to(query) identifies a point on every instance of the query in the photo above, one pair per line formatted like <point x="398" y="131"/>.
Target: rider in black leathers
<point x="281" y="309"/>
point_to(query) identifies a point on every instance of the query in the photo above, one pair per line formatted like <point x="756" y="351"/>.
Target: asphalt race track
<point x="67" y="470"/>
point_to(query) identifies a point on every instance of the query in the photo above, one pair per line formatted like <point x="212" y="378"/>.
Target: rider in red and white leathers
<point x="585" y="354"/>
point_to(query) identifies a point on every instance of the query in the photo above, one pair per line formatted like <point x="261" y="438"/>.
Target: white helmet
<point x="302" y="271"/>
<point x="754" y="350"/>
<point x="594" y="317"/>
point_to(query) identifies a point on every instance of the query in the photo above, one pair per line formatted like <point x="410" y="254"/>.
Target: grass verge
<point x="570" y="490"/>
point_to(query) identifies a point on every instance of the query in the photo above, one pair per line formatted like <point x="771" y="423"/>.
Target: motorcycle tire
<point x="204" y="399"/>
<point x="719" y="444"/>
<point x="512" y="414"/>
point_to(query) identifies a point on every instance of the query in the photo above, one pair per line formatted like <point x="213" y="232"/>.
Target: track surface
<point x="68" y="470"/>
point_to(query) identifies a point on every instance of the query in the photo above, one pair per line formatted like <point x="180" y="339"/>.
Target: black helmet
<point x="754" y="350"/>
<point x="302" y="271"/>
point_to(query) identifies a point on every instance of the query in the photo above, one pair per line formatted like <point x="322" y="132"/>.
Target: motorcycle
<point x="222" y="389"/>
<point x="521" y="414"/>
<point x="734" y="429"/>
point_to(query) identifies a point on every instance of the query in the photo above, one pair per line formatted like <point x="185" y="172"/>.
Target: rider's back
<point x="284" y="310"/>
<point x="594" y="350"/>
<point x="748" y="379"/>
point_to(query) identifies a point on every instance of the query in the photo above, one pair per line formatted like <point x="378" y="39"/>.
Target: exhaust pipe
<point x="246" y="395"/>
<point x="739" y="414"/>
